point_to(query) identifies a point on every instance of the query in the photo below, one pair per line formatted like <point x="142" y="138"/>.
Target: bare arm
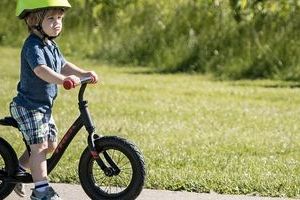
<point x="71" y="69"/>
<point x="47" y="74"/>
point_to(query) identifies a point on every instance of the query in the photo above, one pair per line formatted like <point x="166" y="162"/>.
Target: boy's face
<point x="52" y="23"/>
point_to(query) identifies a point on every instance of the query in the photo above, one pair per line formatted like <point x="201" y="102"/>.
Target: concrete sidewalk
<point x="75" y="192"/>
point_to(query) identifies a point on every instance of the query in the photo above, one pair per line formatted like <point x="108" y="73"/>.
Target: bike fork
<point x="110" y="170"/>
<point x="87" y="120"/>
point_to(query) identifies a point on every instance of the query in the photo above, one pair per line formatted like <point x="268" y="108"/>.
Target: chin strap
<point x="45" y="35"/>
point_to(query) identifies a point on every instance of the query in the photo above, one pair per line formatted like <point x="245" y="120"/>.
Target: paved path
<point x="75" y="192"/>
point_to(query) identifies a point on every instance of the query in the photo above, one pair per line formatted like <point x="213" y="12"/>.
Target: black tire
<point x="8" y="166"/>
<point x="127" y="157"/>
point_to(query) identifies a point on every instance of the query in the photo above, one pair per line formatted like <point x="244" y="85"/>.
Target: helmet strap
<point x="44" y="35"/>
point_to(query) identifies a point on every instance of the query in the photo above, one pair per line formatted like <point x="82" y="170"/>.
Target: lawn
<point x="196" y="134"/>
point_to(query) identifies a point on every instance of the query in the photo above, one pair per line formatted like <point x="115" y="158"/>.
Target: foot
<point x="49" y="194"/>
<point x="20" y="189"/>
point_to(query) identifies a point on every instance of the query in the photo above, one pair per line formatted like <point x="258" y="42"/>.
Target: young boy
<point x="43" y="67"/>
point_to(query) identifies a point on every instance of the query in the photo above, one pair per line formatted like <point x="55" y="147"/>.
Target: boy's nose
<point x="57" y="21"/>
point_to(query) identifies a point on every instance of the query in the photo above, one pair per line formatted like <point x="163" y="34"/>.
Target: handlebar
<point x="69" y="84"/>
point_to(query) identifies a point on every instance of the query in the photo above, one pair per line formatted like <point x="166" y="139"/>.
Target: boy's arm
<point x="70" y="69"/>
<point x="49" y="75"/>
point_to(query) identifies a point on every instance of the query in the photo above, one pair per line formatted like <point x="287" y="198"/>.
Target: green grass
<point x="196" y="134"/>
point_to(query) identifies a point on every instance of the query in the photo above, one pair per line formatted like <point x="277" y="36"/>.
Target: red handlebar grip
<point x="68" y="84"/>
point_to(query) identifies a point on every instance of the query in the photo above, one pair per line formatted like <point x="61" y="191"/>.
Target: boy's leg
<point x="38" y="166"/>
<point x="25" y="164"/>
<point x="24" y="160"/>
<point x="38" y="162"/>
<point x="51" y="146"/>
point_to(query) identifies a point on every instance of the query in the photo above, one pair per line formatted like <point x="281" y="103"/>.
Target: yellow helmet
<point x="25" y="6"/>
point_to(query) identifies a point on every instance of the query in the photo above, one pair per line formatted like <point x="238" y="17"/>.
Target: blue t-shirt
<point x="33" y="92"/>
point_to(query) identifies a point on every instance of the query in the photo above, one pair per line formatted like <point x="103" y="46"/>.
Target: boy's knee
<point x="48" y="147"/>
<point x="39" y="147"/>
<point x="51" y="147"/>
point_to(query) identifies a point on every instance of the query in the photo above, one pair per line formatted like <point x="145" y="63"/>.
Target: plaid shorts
<point x="36" y="127"/>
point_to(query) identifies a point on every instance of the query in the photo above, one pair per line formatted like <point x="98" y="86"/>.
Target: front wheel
<point x="125" y="183"/>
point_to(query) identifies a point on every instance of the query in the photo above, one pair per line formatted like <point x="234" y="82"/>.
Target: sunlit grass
<point x="196" y="134"/>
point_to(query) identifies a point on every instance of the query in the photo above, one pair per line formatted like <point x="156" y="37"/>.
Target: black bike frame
<point x="63" y="144"/>
<point x="83" y="120"/>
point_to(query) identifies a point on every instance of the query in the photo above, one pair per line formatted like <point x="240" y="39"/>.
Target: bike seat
<point x="9" y="121"/>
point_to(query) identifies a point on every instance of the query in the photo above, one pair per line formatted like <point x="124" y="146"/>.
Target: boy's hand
<point x="93" y="75"/>
<point x="75" y="80"/>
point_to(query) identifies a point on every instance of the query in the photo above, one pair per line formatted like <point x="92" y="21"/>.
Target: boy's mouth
<point x="57" y="28"/>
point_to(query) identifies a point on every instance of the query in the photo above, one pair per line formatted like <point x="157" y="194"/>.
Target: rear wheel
<point x="8" y="166"/>
<point x="125" y="174"/>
